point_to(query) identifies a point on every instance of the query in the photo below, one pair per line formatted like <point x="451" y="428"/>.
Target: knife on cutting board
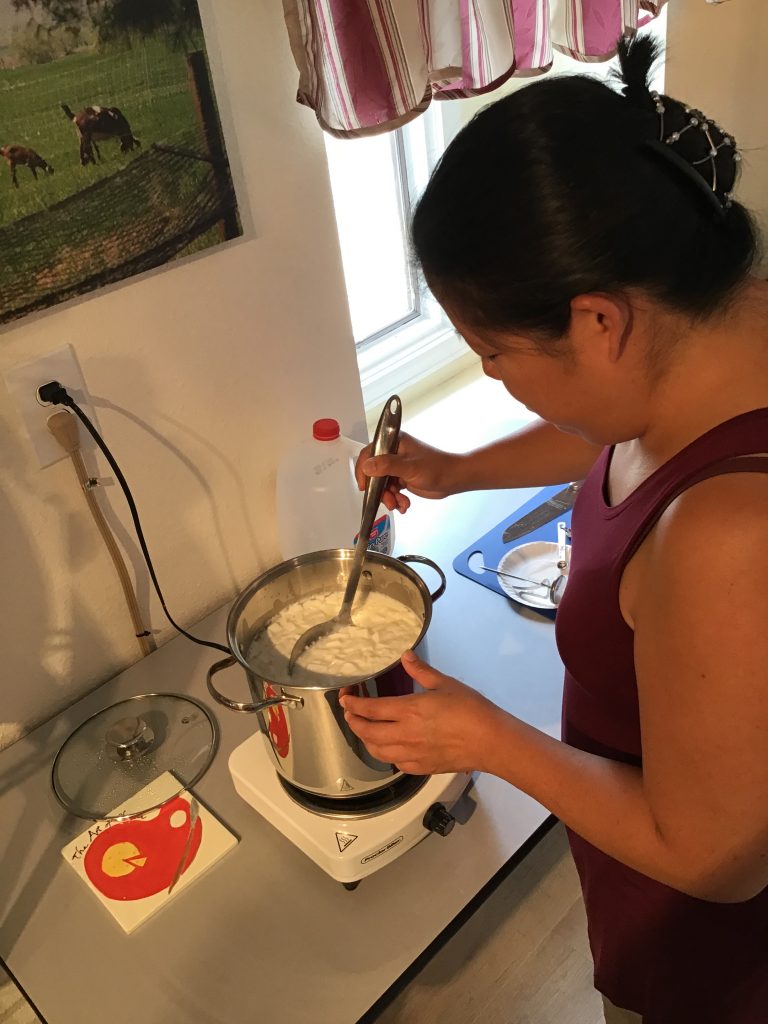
<point x="550" y="509"/>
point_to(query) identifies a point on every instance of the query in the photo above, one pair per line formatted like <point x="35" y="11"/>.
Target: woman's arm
<point x="696" y="816"/>
<point x="701" y="657"/>
<point x="536" y="455"/>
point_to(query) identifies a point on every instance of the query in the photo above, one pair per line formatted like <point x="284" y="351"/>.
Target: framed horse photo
<point x="112" y="157"/>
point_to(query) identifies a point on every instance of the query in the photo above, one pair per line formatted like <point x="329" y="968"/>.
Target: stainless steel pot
<point x="312" y="746"/>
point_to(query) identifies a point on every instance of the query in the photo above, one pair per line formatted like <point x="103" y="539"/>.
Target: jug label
<point x="379" y="539"/>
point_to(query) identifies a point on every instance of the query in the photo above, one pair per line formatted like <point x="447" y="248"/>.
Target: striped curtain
<point x="368" y="66"/>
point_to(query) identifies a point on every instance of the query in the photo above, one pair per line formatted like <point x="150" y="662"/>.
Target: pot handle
<point x="238" y="705"/>
<point x="433" y="565"/>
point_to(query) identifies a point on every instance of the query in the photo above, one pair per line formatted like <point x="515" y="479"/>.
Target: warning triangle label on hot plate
<point x="344" y="839"/>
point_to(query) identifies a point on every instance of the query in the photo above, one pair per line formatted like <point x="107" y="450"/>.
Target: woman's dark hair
<point x="561" y="189"/>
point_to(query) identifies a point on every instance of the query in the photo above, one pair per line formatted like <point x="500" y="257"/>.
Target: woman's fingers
<point x="383" y="465"/>
<point x="370" y="731"/>
<point x="395" y="730"/>
<point x="394" y="709"/>
<point x="423" y="673"/>
<point x="375" y="709"/>
<point x="443" y="728"/>
<point x="385" y="740"/>
<point x="379" y="465"/>
<point x="393" y="499"/>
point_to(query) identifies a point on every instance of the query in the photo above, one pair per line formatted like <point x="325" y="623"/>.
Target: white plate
<point x="536" y="560"/>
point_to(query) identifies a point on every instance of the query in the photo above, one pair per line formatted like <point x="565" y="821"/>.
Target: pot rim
<point x="329" y="554"/>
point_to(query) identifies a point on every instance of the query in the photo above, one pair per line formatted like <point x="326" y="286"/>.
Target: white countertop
<point x="265" y="934"/>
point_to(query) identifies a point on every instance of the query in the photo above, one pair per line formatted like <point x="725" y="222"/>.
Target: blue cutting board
<point x="492" y="547"/>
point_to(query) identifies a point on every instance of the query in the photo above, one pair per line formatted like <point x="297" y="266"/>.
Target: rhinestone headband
<point x="697" y="120"/>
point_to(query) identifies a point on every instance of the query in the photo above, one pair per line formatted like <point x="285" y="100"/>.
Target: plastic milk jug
<point x="318" y="501"/>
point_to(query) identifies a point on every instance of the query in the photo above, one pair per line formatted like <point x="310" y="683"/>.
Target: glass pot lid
<point x="125" y="747"/>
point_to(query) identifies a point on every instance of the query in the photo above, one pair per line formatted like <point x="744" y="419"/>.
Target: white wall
<point x="716" y="61"/>
<point x="201" y="373"/>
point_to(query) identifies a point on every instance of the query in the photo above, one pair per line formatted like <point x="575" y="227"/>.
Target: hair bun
<point x="637" y="56"/>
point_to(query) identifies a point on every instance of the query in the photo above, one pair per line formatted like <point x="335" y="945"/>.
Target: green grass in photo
<point x="149" y="85"/>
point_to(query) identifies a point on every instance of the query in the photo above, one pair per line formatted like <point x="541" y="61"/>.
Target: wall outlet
<point x="22" y="383"/>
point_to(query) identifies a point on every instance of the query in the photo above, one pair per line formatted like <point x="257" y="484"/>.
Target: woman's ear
<point x="600" y="324"/>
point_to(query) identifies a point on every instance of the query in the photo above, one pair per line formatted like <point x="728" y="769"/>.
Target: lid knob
<point x="129" y="738"/>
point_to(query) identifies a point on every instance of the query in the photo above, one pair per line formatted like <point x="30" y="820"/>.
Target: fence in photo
<point x="81" y="227"/>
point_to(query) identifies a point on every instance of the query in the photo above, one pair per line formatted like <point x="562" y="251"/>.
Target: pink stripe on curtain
<point x="529" y="18"/>
<point x="367" y="66"/>
<point x="475" y="69"/>
<point x="597" y="26"/>
<point x="464" y="16"/>
<point x="336" y="81"/>
<point x="398" y="61"/>
<point x="426" y="33"/>
<point x="351" y="73"/>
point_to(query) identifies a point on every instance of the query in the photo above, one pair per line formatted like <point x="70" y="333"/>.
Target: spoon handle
<point x="511" y="576"/>
<point x="385" y="441"/>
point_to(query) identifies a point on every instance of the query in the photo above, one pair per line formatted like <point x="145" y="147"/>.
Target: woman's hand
<point x="417" y="467"/>
<point x="445" y="729"/>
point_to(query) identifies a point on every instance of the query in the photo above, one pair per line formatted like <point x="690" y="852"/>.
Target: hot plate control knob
<point x="438" y="819"/>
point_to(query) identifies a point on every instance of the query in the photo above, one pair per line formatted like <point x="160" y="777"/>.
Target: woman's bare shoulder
<point x="715" y="518"/>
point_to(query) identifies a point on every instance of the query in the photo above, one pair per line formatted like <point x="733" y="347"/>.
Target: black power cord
<point x="56" y="394"/>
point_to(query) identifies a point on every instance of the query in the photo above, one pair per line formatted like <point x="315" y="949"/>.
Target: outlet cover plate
<point x="22" y="383"/>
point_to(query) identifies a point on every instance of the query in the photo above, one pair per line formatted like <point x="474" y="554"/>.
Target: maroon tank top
<point x="668" y="956"/>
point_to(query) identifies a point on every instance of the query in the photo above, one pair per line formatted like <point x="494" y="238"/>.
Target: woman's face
<point x="579" y="392"/>
<point x="541" y="382"/>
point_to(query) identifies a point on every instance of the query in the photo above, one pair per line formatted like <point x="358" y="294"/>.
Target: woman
<point x="585" y="243"/>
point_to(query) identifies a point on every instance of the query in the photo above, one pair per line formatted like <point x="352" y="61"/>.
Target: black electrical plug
<point x="54" y="393"/>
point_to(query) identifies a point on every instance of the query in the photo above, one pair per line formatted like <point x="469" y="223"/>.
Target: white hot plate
<point x="536" y="560"/>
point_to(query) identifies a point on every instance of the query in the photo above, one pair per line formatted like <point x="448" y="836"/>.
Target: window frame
<point x="423" y="342"/>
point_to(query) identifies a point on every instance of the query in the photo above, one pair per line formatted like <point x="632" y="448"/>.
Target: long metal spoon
<point x="385" y="442"/>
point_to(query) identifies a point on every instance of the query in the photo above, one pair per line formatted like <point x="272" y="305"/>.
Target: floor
<point x="14" y="1008"/>
<point x="522" y="958"/>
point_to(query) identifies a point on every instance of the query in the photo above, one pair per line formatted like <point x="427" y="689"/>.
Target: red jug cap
<point x="325" y="430"/>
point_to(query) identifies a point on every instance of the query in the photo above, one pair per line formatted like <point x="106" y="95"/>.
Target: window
<point x="401" y="334"/>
